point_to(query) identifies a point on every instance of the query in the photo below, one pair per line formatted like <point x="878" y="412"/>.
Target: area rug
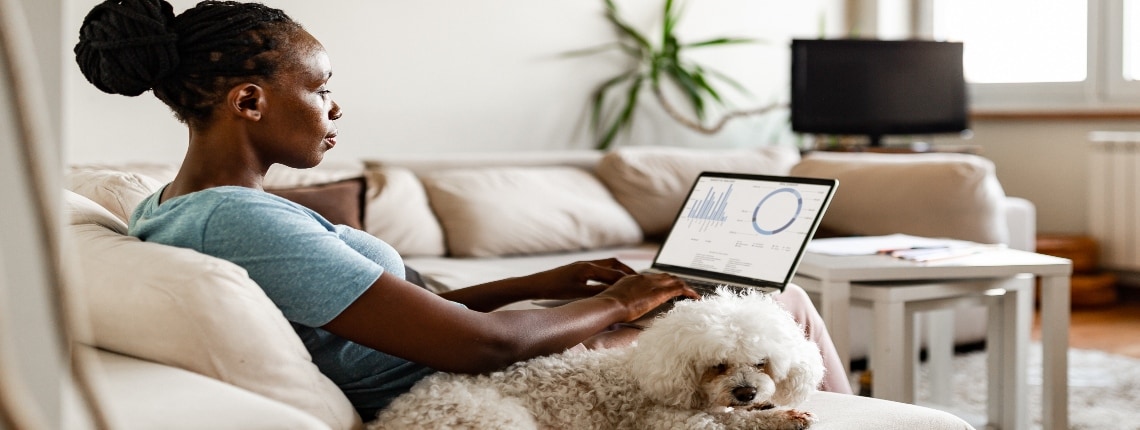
<point x="1104" y="389"/>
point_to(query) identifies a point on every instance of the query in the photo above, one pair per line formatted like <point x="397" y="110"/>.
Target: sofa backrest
<point x="480" y="204"/>
<point x="534" y="202"/>
<point x="928" y="194"/>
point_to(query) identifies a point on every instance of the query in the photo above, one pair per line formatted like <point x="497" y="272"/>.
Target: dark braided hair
<point x="130" y="46"/>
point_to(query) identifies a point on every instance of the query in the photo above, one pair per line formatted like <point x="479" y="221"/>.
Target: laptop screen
<point x="747" y="229"/>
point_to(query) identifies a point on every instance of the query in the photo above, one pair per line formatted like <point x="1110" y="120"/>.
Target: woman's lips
<point x="331" y="139"/>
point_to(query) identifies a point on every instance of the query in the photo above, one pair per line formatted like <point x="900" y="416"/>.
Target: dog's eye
<point x="721" y="368"/>
<point x="761" y="364"/>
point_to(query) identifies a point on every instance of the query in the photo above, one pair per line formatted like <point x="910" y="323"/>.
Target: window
<point x="1131" y="39"/>
<point x="1043" y="54"/>
<point x="1050" y="47"/>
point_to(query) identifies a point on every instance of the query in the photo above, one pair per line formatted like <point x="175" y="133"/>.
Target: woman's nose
<point x="335" y="113"/>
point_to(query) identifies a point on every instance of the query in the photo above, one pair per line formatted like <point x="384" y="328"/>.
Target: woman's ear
<point x="246" y="100"/>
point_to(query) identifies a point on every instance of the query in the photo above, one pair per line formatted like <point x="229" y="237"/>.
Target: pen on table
<point x="894" y="252"/>
<point x="952" y="252"/>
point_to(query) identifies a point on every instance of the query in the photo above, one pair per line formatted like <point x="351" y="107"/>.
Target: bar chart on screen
<point x="709" y="211"/>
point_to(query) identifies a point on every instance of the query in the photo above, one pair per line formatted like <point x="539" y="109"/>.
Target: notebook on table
<point x="743" y="231"/>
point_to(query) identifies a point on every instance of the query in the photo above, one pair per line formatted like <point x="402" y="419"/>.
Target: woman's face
<point x="297" y="126"/>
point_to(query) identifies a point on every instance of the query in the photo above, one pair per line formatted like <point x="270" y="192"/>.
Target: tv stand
<point x="875" y="140"/>
<point x="906" y="149"/>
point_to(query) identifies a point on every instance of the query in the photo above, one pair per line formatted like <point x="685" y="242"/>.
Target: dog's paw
<point x="796" y="420"/>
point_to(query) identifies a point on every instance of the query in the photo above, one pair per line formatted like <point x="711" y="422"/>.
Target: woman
<point x="251" y="86"/>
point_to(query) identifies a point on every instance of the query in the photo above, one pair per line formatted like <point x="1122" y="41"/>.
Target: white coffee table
<point x="898" y="289"/>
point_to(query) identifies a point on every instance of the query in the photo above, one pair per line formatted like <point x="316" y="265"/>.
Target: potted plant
<point x="655" y="66"/>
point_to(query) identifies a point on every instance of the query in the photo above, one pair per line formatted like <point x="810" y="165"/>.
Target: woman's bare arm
<point x="572" y="281"/>
<point x="406" y="321"/>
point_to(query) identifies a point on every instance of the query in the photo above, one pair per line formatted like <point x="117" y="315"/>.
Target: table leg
<point x="995" y="350"/>
<point x="835" y="309"/>
<point x="1017" y="315"/>
<point x="1055" y="349"/>
<point x="893" y="353"/>
<point x="939" y="328"/>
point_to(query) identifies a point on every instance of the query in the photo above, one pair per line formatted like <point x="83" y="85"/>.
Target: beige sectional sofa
<point x="189" y="341"/>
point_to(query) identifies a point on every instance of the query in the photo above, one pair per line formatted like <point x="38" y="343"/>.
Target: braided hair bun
<point x="127" y="46"/>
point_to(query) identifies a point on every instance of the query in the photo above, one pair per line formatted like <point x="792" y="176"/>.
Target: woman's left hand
<point x="576" y="280"/>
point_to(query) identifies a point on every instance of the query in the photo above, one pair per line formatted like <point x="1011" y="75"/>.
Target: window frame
<point x="1117" y="89"/>
<point x="1104" y="88"/>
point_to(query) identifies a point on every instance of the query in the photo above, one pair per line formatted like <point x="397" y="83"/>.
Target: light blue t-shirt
<point x="311" y="269"/>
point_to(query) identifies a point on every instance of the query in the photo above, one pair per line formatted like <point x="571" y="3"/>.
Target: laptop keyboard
<point x="702" y="287"/>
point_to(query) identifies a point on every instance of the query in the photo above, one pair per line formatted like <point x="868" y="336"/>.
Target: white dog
<point x="723" y="362"/>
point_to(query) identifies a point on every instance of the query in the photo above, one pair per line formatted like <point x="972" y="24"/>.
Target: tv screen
<point x="877" y="87"/>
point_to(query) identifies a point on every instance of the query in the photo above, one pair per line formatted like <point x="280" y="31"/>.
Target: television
<point x="877" y="87"/>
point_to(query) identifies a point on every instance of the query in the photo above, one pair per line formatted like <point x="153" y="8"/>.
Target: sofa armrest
<point x="140" y="394"/>
<point x="1021" y="217"/>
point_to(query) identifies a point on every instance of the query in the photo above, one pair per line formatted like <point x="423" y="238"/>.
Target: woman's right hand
<point x="641" y="293"/>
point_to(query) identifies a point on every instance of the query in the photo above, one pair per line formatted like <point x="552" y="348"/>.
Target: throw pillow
<point x="81" y="210"/>
<point x="651" y="182"/>
<point x="526" y="210"/>
<point x="398" y="213"/>
<point x="118" y="191"/>
<point x="340" y="202"/>
<point x="935" y="195"/>
<point x="188" y="310"/>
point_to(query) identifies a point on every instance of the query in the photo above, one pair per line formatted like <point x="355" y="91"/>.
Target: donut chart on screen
<point x="756" y="214"/>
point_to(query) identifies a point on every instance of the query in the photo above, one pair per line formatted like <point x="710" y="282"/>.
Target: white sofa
<point x="188" y="341"/>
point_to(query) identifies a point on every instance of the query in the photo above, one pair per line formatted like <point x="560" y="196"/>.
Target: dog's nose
<point x="744" y="394"/>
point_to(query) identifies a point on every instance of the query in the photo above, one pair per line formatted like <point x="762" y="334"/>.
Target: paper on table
<point x="870" y="245"/>
<point x="944" y="253"/>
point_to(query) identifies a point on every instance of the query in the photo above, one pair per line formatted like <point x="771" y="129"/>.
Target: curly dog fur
<point x="724" y="362"/>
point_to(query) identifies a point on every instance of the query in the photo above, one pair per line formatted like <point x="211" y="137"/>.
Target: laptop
<point x="743" y="231"/>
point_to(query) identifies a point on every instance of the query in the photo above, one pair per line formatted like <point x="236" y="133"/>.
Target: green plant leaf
<point x="658" y="66"/>
<point x="721" y="41"/>
<point x="625" y="119"/>
<point x="670" y="21"/>
<point x="599" y="97"/>
<point x="728" y="80"/>
<point x="626" y="29"/>
<point x="698" y="76"/>
<point x="690" y="88"/>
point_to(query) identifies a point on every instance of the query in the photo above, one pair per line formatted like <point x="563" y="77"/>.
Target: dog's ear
<point x="663" y="364"/>
<point x="664" y="377"/>
<point x="802" y="378"/>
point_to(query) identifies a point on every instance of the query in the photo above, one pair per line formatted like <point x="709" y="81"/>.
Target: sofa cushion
<point x="396" y="210"/>
<point x="141" y="394"/>
<point x="651" y="182"/>
<point x="185" y="309"/>
<point x="935" y="194"/>
<point x="118" y="191"/>
<point x="81" y="210"/>
<point x="526" y="210"/>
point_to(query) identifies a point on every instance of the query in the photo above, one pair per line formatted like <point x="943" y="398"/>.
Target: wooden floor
<point x="1113" y="328"/>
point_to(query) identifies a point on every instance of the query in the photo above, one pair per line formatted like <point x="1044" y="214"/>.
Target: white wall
<point x="445" y="75"/>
